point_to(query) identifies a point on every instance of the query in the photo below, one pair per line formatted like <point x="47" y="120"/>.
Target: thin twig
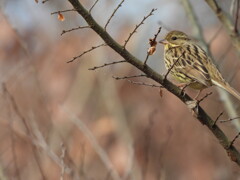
<point x="73" y="29"/>
<point x="230" y="119"/>
<point x="93" y="141"/>
<point x="215" y="122"/>
<point x="22" y="118"/>
<point x="93" y="6"/>
<point x="234" y="139"/>
<point x="236" y="18"/>
<point x="107" y="64"/>
<point x="226" y="22"/>
<point x="127" y="77"/>
<point x="152" y="41"/>
<point x="204" y="97"/>
<point x="137" y="26"/>
<point x="115" y="10"/>
<point x="144" y="84"/>
<point x="175" y="62"/>
<point x="94" y="47"/>
<point x="63" y="11"/>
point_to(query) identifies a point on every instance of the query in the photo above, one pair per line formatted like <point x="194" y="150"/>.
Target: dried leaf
<point x="151" y="50"/>
<point x="153" y="45"/>
<point x="61" y="17"/>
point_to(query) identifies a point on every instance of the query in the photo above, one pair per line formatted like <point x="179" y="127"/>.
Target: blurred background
<point x="62" y="121"/>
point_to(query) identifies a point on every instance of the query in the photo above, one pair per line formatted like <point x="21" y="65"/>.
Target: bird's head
<point x="175" y="38"/>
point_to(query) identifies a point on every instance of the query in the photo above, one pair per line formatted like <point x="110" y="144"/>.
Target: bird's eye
<point x="174" y="38"/>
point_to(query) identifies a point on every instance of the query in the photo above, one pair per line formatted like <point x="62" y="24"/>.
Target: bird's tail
<point x="228" y="88"/>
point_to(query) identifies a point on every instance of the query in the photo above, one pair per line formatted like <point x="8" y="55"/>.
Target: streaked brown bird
<point x="189" y="64"/>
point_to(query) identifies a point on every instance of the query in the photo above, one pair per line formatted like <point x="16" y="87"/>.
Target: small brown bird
<point x="189" y="64"/>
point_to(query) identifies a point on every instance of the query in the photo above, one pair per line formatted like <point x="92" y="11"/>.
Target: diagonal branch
<point x="73" y="29"/>
<point x="91" y="8"/>
<point x="115" y="10"/>
<point x="202" y="116"/>
<point x="137" y="26"/>
<point x="76" y="57"/>
<point x="106" y="64"/>
<point x="227" y="23"/>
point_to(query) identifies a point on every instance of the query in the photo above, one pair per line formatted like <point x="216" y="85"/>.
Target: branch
<point x="137" y="26"/>
<point x="202" y="116"/>
<point x="68" y="10"/>
<point x="76" y="57"/>
<point x="226" y="22"/>
<point x="93" y="6"/>
<point x="107" y="64"/>
<point x="115" y="10"/>
<point x="230" y="119"/>
<point x="215" y="122"/>
<point x="73" y="29"/>
<point x="127" y="77"/>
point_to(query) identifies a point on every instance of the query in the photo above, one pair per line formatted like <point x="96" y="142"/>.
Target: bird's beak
<point x="163" y="41"/>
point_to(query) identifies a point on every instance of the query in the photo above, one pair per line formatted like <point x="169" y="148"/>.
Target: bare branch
<point x="234" y="139"/>
<point x="73" y="29"/>
<point x="115" y="10"/>
<point x="215" y="122"/>
<point x="226" y="22"/>
<point x="93" y="141"/>
<point x="93" y="6"/>
<point x="127" y="77"/>
<point x="230" y="119"/>
<point x="94" y="47"/>
<point x="204" y="97"/>
<point x="137" y="26"/>
<point x="107" y="64"/>
<point x="153" y="44"/>
<point x="63" y="11"/>
<point x="138" y="82"/>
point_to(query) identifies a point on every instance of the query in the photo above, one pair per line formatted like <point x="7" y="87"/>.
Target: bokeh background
<point x="60" y="120"/>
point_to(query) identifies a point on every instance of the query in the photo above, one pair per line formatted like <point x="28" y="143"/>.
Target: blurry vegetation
<point x="60" y="120"/>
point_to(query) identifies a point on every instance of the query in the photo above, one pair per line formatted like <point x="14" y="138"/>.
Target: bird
<point x="190" y="65"/>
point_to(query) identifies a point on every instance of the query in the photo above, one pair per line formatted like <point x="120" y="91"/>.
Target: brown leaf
<point x="61" y="17"/>
<point x="151" y="50"/>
